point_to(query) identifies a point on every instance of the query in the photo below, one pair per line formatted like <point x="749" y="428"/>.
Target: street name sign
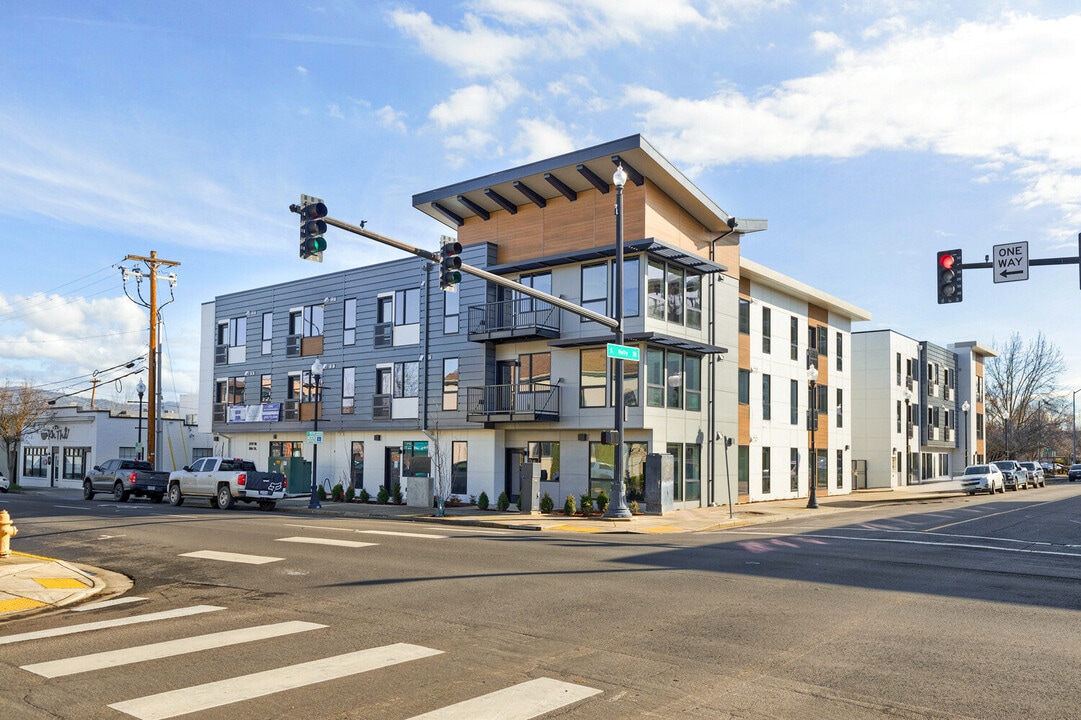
<point x="622" y="352"/>
<point x="1011" y="262"/>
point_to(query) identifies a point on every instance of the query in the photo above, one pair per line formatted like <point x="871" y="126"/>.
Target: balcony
<point x="512" y="403"/>
<point x="523" y="318"/>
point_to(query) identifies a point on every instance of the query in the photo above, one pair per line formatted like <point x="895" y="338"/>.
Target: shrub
<point x="634" y="507"/>
<point x="568" y="506"/>
<point x="382" y="496"/>
<point x="602" y="501"/>
<point x="503" y="502"/>
<point x="472" y="499"/>
<point x="482" y="501"/>
<point x="337" y="493"/>
<point x="350" y="494"/>
<point x="587" y="503"/>
<point x="321" y="493"/>
<point x="365" y="496"/>
<point x="519" y="503"/>
<point x="453" y="501"/>
<point x="397" y="493"/>
<point x="546" y="504"/>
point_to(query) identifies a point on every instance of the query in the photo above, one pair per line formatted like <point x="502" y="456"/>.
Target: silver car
<point x="983" y="478"/>
<point x="1035" y="474"/>
<point x="1016" y="477"/>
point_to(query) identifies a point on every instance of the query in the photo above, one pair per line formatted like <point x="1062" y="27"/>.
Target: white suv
<point x="1035" y="474"/>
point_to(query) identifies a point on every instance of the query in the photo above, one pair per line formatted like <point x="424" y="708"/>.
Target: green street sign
<point x="622" y="352"/>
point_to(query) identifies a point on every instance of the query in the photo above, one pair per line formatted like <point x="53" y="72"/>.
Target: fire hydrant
<point x="7" y="531"/>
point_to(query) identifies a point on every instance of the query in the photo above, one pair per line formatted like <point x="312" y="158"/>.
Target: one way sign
<point x="1011" y="262"/>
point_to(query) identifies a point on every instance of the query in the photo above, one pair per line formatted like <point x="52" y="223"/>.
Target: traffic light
<point x="312" y="228"/>
<point x="450" y="264"/>
<point x="949" y="276"/>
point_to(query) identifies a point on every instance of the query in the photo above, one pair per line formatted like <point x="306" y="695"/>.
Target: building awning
<point x="650" y="246"/>
<point x="652" y="338"/>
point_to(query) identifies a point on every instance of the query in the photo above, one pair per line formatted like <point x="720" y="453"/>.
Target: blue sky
<point x="869" y="134"/>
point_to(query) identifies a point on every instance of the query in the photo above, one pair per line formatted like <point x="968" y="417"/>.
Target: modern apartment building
<point x="488" y="378"/>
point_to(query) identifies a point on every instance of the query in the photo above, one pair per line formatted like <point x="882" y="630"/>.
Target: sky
<point x="870" y="134"/>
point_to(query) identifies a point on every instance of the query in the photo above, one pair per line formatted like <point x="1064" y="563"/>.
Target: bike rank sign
<point x="1011" y="262"/>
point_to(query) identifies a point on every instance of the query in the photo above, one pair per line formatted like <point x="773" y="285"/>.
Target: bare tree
<point x="23" y="410"/>
<point x="1023" y="416"/>
<point x="439" y="455"/>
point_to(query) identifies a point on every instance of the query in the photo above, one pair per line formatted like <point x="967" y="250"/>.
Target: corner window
<point x="655" y="302"/>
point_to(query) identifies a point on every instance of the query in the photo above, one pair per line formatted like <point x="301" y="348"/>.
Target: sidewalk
<point x="29" y="583"/>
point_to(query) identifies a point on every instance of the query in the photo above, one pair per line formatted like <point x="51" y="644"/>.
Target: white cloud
<point x="540" y="139"/>
<point x="302" y="70"/>
<point x="476" y="105"/>
<point x="391" y="119"/>
<point x="335" y="111"/>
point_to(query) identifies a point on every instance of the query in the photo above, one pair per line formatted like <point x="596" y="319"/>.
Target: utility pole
<point x="154" y="392"/>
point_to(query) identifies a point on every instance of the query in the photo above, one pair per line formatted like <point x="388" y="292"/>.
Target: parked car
<point x="1035" y="474"/>
<point x="124" y="478"/>
<point x="1075" y="472"/>
<point x="4" y="483"/>
<point x="983" y="478"/>
<point x="1016" y="477"/>
<point x="224" y="481"/>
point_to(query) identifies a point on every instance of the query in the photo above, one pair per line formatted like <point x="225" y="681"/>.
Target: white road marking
<point x="72" y="507"/>
<point x="108" y="603"/>
<point x="395" y="533"/>
<point x="246" y="687"/>
<point x="102" y="624"/>
<point x="327" y="541"/>
<point x="966" y="545"/>
<point x="519" y="702"/>
<point x="169" y="648"/>
<point x="231" y="557"/>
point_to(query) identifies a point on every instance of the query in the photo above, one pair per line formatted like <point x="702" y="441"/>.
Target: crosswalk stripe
<point x="327" y="541"/>
<point x="246" y="687"/>
<point x="404" y="534"/>
<point x="108" y="603"/>
<point x="231" y="557"/>
<point x="102" y="624"/>
<point x="518" y="702"/>
<point x="169" y="648"/>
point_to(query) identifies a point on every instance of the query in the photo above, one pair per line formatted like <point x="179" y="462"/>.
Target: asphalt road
<point x="944" y="608"/>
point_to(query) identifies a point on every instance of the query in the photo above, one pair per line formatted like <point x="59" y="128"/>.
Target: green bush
<point x="350" y="494"/>
<point x="634" y="507"/>
<point x="546" y="504"/>
<point x="503" y="502"/>
<point x="482" y="501"/>
<point x="397" y="494"/>
<point x="365" y="496"/>
<point x="587" y="504"/>
<point x="322" y="494"/>
<point x="519" y="503"/>
<point x="568" y="506"/>
<point x="382" y="496"/>
<point x="602" y="501"/>
<point x="337" y="493"/>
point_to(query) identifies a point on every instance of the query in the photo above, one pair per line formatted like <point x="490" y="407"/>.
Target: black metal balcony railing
<point x="520" y="318"/>
<point x="511" y="403"/>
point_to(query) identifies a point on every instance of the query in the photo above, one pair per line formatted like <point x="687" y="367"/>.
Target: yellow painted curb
<point x="36" y="557"/>
<point x="573" y="528"/>
<point x="662" y="529"/>
<point x="17" y="604"/>
<point x="61" y="583"/>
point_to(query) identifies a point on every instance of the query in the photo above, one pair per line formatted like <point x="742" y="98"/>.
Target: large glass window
<point x="692" y="472"/>
<point x="632" y="285"/>
<point x="35" y="461"/>
<point x="357" y="466"/>
<point x="594" y="365"/>
<point x="676" y="379"/>
<point x="655" y="302"/>
<point x="451" y="311"/>
<point x="654" y="377"/>
<point x="415" y="459"/>
<point x="840" y="408"/>
<point x="692" y="374"/>
<point x="265" y="388"/>
<point x="236" y="390"/>
<point x="674" y="281"/>
<point x="407" y="307"/>
<point x="793" y="470"/>
<point x="676" y="451"/>
<point x="450" y="383"/>
<point x="459" y="467"/>
<point x="75" y="462"/>
<point x="545" y="454"/>
<point x="694" y="300"/>
<point x="406" y="379"/>
<point x="595" y="287"/>
<point x="601" y="468"/>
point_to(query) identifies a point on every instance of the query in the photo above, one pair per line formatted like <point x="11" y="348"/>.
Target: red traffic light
<point x="946" y="261"/>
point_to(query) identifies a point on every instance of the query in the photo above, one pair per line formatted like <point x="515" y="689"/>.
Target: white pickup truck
<point x="224" y="481"/>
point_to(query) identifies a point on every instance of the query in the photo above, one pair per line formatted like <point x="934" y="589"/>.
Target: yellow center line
<point x="984" y="517"/>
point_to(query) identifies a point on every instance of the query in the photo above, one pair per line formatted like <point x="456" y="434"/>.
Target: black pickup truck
<point x="124" y="478"/>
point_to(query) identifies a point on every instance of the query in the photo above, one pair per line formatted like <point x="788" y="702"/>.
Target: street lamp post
<point x="617" y="504"/>
<point x="317" y="376"/>
<point x="1074" y="459"/>
<point x="812" y="425"/>
<point x="140" y="390"/>
<point x="965" y="407"/>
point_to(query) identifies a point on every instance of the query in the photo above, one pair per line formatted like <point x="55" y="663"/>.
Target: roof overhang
<point x="764" y="275"/>
<point x="650" y="246"/>
<point x="573" y="173"/>
<point x="653" y="338"/>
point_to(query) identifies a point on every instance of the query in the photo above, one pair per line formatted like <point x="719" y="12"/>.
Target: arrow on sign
<point x="1007" y="273"/>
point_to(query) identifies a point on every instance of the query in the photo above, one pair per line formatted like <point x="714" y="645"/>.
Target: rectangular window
<point x="840" y="407"/>
<point x="794" y="339"/>
<point x="349" y="335"/>
<point x="75" y="462"/>
<point x="766" y="488"/>
<point x="898" y="368"/>
<point x="602" y="468"/>
<point x="349" y="390"/>
<point x="692" y="472"/>
<point x="676" y="451"/>
<point x="407" y="307"/>
<point x="793" y="401"/>
<point x="655" y="302"/>
<point x="384" y="309"/>
<point x="766" y="400"/>
<point x="238" y="331"/>
<point x="450" y="383"/>
<point x="823" y="340"/>
<point x="592" y="378"/>
<point x="268" y="332"/>
<point x="452" y="305"/>
<point x="822" y="402"/>
<point x="632" y="284"/>
<point x="595" y="288"/>
<point x="654" y="378"/>
<point x="415" y="459"/>
<point x="307" y="322"/>
<point x="265" y="389"/>
<point x="35" y="462"/>
<point x="793" y="470"/>
<point x="674" y="282"/>
<point x="675" y="379"/>
<point x="743" y="471"/>
<point x="235" y="391"/>
<point x="840" y="352"/>
<point x="545" y="454"/>
<point x="744" y="387"/>
<point x="840" y="469"/>
<point x="767" y="329"/>
<point x="694" y="300"/>
<point x="459" y="465"/>
<point x="692" y="373"/>
<point x="357" y="460"/>
<point x="898" y="416"/>
<point x="744" y="316"/>
<point x="407" y="379"/>
<point x="630" y="383"/>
